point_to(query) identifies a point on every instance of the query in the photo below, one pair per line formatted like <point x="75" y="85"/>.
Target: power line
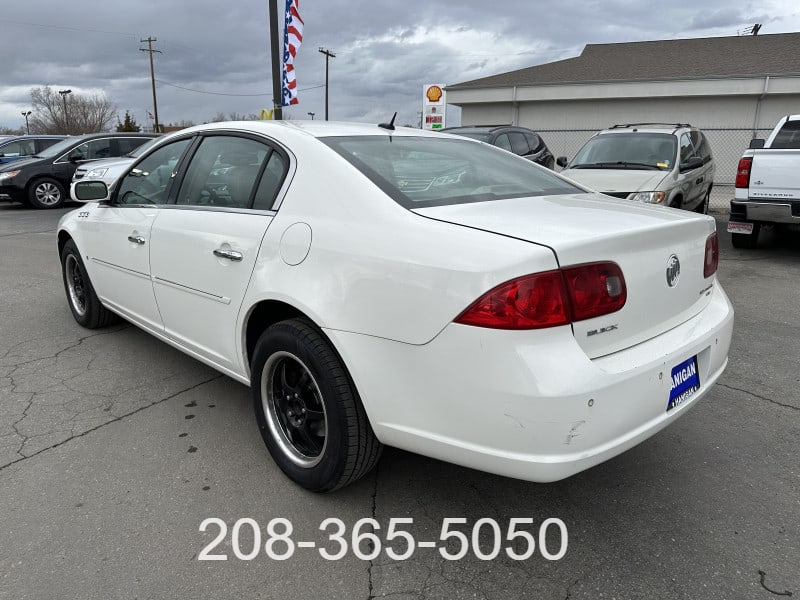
<point x="180" y="87"/>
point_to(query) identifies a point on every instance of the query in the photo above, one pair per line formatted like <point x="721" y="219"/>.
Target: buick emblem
<point x="673" y="271"/>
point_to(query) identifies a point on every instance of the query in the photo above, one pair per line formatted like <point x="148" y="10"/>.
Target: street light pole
<point x="66" y="115"/>
<point x="311" y="114"/>
<point x="26" y="114"/>
<point x="328" y="55"/>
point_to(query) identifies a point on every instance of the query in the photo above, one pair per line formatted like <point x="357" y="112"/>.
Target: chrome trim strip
<point x="119" y="268"/>
<point x="184" y="288"/>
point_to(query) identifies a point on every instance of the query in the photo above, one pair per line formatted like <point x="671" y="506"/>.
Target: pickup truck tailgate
<point x="774" y="174"/>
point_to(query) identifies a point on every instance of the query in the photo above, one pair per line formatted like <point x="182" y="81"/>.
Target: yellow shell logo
<point x="434" y="93"/>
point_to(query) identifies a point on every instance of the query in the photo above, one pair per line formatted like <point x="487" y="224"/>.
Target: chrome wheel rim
<point x="294" y="409"/>
<point x="75" y="284"/>
<point x="48" y="193"/>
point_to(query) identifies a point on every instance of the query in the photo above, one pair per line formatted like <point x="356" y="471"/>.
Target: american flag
<point x="292" y="38"/>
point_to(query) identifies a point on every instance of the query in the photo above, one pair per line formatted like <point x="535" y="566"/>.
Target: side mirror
<point x="75" y="157"/>
<point x="756" y="143"/>
<point x="2" y="155"/>
<point x="693" y="163"/>
<point x="91" y="191"/>
<point x="561" y="161"/>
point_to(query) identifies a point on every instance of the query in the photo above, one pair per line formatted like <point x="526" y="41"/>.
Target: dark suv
<point x="519" y="140"/>
<point x="21" y="146"/>
<point x="43" y="179"/>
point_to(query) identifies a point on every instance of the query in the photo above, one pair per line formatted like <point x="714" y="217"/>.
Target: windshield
<point x="654" y="151"/>
<point x="423" y="171"/>
<point x="58" y="148"/>
<point x="143" y="148"/>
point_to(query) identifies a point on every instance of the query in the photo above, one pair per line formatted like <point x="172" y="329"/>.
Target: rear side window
<point x="270" y="183"/>
<point x="21" y="148"/>
<point x="788" y="137"/>
<point x="534" y="141"/>
<point x="519" y="145"/>
<point x="45" y="143"/>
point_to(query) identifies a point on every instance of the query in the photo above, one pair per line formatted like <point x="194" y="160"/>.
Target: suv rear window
<point x="788" y="137"/>
<point x="422" y="171"/>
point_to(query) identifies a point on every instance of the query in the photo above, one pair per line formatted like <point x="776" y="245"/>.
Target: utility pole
<point x="150" y="51"/>
<point x="328" y="55"/>
<point x="66" y="115"/>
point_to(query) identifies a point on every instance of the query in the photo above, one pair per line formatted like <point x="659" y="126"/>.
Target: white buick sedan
<point x="375" y="286"/>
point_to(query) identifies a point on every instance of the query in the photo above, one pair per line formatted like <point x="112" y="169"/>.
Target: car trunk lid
<point x="661" y="253"/>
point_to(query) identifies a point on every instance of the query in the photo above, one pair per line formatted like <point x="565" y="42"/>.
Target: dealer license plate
<point x="734" y="227"/>
<point x="685" y="382"/>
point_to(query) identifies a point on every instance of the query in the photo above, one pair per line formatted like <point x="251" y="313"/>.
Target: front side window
<point x="223" y="172"/>
<point x="627" y="151"/>
<point x="148" y="182"/>
<point x="424" y="171"/>
<point x="687" y="149"/>
<point x="92" y="150"/>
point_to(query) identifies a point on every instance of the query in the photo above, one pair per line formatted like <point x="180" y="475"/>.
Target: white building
<point x="736" y="84"/>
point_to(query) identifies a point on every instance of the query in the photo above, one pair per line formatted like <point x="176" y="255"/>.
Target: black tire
<point x="746" y="241"/>
<point x="81" y="297"/>
<point x="46" y="193"/>
<point x="308" y="410"/>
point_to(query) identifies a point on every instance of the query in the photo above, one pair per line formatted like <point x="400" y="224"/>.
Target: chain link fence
<point x="727" y="145"/>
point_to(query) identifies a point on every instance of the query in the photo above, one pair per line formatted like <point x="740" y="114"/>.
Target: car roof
<point x="313" y="128"/>
<point x="10" y="138"/>
<point x="670" y="128"/>
<point x="486" y="128"/>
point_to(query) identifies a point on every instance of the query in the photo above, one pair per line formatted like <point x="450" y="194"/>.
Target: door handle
<point x="699" y="180"/>
<point x="229" y="254"/>
<point x="136" y="239"/>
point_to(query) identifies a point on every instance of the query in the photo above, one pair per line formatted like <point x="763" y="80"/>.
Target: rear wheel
<point x="82" y="300"/>
<point x="308" y="410"/>
<point x="46" y="193"/>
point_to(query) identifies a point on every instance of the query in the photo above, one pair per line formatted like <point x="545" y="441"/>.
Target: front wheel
<point x="82" y="300"/>
<point x="308" y="410"/>
<point x="46" y="193"/>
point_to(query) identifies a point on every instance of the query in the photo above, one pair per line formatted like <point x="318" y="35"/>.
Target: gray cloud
<point x="385" y="51"/>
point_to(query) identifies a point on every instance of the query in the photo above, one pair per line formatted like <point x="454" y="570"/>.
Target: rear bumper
<point x="766" y="211"/>
<point x="529" y="405"/>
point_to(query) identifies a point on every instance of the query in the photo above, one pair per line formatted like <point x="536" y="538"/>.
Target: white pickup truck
<point x="767" y="184"/>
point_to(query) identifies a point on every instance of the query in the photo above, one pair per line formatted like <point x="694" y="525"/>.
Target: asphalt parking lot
<point x="114" y="447"/>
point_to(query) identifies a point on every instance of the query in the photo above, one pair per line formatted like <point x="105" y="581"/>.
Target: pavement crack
<point x="754" y="395"/>
<point x="119" y="418"/>
<point x="371" y="594"/>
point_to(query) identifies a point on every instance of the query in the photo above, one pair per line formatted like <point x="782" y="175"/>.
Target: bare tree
<point x="85" y="113"/>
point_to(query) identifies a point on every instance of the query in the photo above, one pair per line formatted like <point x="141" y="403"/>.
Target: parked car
<point x="379" y="285"/>
<point x="108" y="169"/>
<point x="519" y="140"/>
<point x="656" y="163"/>
<point x="767" y="188"/>
<point x="22" y="146"/>
<point x="43" y="179"/>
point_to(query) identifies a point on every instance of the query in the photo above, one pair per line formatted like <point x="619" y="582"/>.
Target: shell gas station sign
<point x="433" y="106"/>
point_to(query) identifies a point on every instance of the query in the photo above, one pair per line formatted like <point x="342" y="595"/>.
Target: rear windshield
<point x="647" y="151"/>
<point x="788" y="137"/>
<point x="424" y="171"/>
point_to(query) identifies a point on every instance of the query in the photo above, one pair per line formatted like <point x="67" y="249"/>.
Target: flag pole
<point x="277" y="72"/>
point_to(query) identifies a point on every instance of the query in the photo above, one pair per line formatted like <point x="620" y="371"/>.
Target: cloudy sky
<point x="215" y="55"/>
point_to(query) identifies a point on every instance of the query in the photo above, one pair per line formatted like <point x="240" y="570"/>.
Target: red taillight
<point x="743" y="172"/>
<point x="595" y="289"/>
<point x="529" y="302"/>
<point x="712" y="255"/>
<point x="550" y="298"/>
